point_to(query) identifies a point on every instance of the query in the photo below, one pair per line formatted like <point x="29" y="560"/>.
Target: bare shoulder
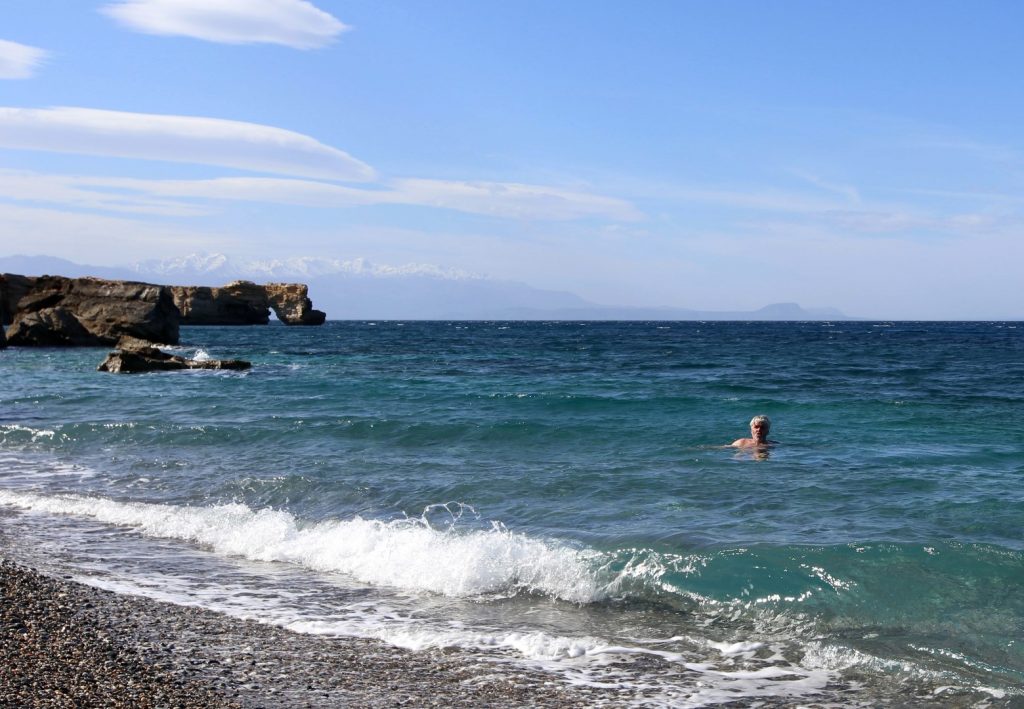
<point x="742" y="443"/>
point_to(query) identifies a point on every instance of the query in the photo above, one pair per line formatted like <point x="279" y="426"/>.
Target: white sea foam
<point x="19" y="468"/>
<point x="17" y="430"/>
<point x="584" y="660"/>
<point x="423" y="555"/>
<point x="406" y="553"/>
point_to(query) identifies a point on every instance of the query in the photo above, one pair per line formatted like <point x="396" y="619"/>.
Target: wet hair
<point x="761" y="418"/>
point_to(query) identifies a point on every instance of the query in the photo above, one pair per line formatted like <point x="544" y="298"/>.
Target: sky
<point x="867" y="156"/>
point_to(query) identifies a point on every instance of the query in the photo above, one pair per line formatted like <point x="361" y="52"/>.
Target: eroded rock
<point x="13" y="288"/>
<point x="60" y="312"/>
<point x="292" y="305"/>
<point x="246" y="303"/>
<point x="56" y="311"/>
<point x="151" y="359"/>
<point x="237" y="303"/>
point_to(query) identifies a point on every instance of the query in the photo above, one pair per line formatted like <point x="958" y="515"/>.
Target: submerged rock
<point x="53" y="311"/>
<point x="150" y="359"/>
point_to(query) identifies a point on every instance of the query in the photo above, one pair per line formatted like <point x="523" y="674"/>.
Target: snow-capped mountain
<point x="199" y="268"/>
<point x="313" y="267"/>
<point x="191" y="265"/>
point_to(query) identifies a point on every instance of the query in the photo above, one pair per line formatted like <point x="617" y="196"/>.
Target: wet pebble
<point x="64" y="644"/>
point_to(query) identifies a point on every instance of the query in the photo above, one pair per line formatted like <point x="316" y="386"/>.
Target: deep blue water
<point x="553" y="490"/>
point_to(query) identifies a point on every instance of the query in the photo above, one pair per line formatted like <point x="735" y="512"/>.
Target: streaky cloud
<point x="189" y="139"/>
<point x="504" y="200"/>
<point x="292" y="23"/>
<point x="19" y="61"/>
<point x="77" y="234"/>
<point x="513" y="200"/>
<point x="89" y="194"/>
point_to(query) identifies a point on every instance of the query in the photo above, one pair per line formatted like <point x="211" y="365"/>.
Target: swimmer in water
<point x="759" y="427"/>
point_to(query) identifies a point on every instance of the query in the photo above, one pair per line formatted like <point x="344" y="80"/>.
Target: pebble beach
<point x="66" y="644"/>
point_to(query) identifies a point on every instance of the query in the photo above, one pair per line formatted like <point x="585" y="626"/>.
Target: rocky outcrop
<point x="13" y="287"/>
<point x="56" y="311"/>
<point x="60" y="312"/>
<point x="150" y="359"/>
<point x="237" y="303"/>
<point x="292" y="305"/>
<point x="246" y="303"/>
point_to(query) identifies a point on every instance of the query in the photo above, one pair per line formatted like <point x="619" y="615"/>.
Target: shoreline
<point x="64" y="643"/>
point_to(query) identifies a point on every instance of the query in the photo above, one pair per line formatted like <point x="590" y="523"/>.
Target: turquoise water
<point x="560" y="494"/>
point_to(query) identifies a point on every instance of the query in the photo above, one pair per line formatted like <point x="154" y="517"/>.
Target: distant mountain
<point x="361" y="290"/>
<point x="217" y="269"/>
<point x="777" y="311"/>
<point x="53" y="266"/>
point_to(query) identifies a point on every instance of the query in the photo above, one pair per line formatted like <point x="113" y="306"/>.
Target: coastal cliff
<point x="238" y="303"/>
<point x="54" y="311"/>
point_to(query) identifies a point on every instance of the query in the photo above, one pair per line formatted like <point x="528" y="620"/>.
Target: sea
<point x="561" y="496"/>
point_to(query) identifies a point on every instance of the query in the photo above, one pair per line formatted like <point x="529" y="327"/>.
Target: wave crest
<point x="412" y="553"/>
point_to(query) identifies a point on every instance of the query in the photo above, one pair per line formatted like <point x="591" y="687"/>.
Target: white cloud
<point x="207" y="141"/>
<point x="848" y="192"/>
<point x="19" y="61"/>
<point x="94" y="238"/>
<point x="507" y="200"/>
<point x="87" y="193"/>
<point x="293" y="23"/>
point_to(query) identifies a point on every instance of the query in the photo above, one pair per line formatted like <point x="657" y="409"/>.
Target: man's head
<point x="761" y="423"/>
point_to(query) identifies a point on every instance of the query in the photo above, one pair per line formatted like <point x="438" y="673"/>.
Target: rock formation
<point x="237" y="303"/>
<point x="55" y="311"/>
<point x="150" y="359"/>
<point x="59" y="312"/>
<point x="292" y="305"/>
<point x="12" y="288"/>
<point x="246" y="303"/>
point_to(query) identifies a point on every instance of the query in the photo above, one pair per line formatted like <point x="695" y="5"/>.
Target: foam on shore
<point x="405" y="553"/>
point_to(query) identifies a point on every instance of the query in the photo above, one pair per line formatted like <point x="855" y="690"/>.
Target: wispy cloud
<point x="177" y="197"/>
<point x="258" y="148"/>
<point x="757" y="199"/>
<point x="206" y="141"/>
<point x="97" y="194"/>
<point x="293" y="23"/>
<point x="847" y="192"/>
<point x="990" y="198"/>
<point x="19" y="61"/>
<point x="506" y="199"/>
<point x="76" y="235"/>
<point x="888" y="224"/>
<point x="976" y="149"/>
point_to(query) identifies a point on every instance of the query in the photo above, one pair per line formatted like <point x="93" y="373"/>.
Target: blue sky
<point x="708" y="155"/>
